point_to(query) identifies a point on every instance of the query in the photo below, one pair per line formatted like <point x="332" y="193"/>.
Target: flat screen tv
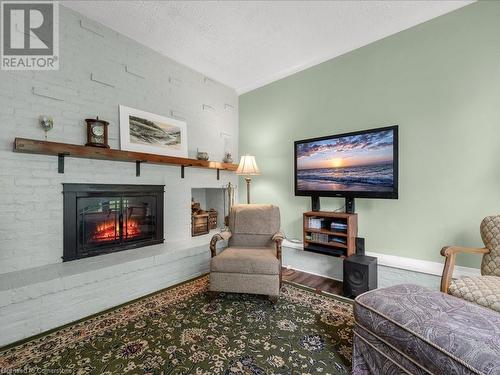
<point x="362" y="164"/>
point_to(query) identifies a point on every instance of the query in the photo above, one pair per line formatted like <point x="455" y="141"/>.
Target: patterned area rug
<point x="179" y="331"/>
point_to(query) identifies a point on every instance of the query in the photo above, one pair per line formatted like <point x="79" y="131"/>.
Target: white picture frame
<point x="147" y="132"/>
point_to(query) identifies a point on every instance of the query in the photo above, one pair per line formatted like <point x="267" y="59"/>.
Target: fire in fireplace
<point x="111" y="231"/>
<point x="100" y="219"/>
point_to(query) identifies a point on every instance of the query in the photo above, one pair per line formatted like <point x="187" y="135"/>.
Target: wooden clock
<point x="97" y="132"/>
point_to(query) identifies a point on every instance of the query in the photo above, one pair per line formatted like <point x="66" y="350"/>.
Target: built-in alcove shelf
<point x="62" y="150"/>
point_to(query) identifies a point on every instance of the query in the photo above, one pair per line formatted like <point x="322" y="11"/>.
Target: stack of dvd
<point x="315" y="223"/>
<point x="338" y="226"/>
<point x="319" y="237"/>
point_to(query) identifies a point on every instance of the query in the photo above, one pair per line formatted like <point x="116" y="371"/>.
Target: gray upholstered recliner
<point x="485" y="289"/>
<point x="252" y="261"/>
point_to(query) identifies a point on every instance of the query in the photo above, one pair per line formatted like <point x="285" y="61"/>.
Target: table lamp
<point x="248" y="167"/>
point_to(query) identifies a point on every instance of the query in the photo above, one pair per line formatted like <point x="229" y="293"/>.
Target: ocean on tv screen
<point x="362" y="162"/>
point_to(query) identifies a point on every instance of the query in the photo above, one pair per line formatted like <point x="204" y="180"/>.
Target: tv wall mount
<point x="350" y="206"/>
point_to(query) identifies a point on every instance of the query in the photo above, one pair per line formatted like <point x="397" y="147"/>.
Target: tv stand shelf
<point x="331" y="244"/>
<point x="330" y="233"/>
<point x="325" y="231"/>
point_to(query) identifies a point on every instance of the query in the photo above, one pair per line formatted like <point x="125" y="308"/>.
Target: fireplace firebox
<point x="101" y="219"/>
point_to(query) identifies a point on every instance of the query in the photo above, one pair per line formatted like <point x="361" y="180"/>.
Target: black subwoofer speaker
<point x="360" y="275"/>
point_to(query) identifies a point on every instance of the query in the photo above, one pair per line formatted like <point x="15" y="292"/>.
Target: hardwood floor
<point x="319" y="283"/>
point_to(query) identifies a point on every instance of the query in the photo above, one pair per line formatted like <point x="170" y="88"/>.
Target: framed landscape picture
<point x="146" y="132"/>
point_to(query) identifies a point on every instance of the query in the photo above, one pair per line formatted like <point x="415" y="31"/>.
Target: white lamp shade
<point x="248" y="166"/>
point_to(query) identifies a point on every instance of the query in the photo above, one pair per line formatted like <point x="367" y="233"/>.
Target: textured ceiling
<point x="247" y="44"/>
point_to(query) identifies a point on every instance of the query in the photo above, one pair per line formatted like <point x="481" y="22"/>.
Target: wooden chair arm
<point x="278" y="240"/>
<point x="278" y="249"/>
<point x="222" y="236"/>
<point x="279" y="236"/>
<point x="450" y="252"/>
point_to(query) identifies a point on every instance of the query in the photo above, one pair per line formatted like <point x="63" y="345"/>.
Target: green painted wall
<point x="440" y="81"/>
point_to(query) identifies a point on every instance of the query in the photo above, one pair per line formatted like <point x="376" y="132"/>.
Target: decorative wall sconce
<point x="46" y="123"/>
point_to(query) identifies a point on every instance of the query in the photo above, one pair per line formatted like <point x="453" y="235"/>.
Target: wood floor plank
<point x="313" y="281"/>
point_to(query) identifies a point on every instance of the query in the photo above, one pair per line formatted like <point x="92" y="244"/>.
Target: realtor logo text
<point x="30" y="35"/>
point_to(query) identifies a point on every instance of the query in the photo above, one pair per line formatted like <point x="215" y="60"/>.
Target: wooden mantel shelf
<point x="62" y="150"/>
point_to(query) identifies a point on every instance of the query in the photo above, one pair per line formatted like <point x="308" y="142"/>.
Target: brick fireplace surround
<point x="33" y="279"/>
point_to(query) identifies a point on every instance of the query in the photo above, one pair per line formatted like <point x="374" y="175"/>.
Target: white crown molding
<point x="408" y="264"/>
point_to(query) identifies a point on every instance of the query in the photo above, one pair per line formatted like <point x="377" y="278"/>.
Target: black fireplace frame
<point x="73" y="191"/>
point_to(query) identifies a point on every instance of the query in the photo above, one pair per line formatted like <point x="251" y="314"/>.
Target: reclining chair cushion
<point x="254" y="219"/>
<point x="253" y="225"/>
<point x="246" y="260"/>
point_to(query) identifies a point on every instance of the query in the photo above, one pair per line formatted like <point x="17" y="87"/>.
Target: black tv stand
<point x="315" y="203"/>
<point x="349" y="205"/>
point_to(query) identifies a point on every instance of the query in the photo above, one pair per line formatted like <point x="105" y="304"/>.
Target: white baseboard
<point x="409" y="264"/>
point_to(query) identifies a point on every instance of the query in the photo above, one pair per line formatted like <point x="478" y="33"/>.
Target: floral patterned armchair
<point x="485" y="289"/>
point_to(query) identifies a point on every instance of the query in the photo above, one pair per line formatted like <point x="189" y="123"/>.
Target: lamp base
<point x="248" y="180"/>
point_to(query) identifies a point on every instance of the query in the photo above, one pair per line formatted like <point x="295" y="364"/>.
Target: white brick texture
<point x="31" y="218"/>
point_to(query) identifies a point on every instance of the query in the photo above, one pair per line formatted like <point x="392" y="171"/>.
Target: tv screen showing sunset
<point x="361" y="162"/>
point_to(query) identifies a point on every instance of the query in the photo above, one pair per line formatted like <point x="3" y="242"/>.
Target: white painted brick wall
<point x="50" y="296"/>
<point x="30" y="187"/>
<point x="31" y="218"/>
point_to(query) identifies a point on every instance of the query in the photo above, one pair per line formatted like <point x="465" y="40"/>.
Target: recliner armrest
<point x="222" y="236"/>
<point x="279" y="236"/>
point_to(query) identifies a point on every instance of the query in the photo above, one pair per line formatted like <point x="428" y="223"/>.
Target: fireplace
<point x="101" y="219"/>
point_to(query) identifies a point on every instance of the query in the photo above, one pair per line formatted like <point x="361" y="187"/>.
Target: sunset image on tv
<point x="361" y="162"/>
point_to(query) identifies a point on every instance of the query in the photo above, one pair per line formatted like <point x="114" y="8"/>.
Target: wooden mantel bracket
<point x="138" y="167"/>
<point x="63" y="150"/>
<point x="60" y="161"/>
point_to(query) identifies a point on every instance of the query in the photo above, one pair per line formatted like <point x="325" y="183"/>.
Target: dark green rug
<point x="178" y="331"/>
